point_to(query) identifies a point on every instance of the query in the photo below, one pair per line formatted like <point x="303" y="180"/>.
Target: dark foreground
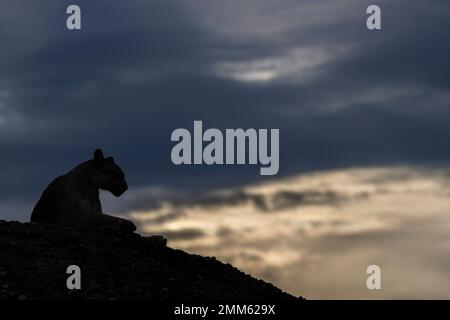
<point x="115" y="264"/>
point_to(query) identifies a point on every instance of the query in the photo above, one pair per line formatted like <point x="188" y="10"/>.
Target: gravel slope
<point x="115" y="264"/>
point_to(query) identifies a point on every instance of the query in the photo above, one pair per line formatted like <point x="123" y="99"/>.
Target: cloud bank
<point x="319" y="244"/>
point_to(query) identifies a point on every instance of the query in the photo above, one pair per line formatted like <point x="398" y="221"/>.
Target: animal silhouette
<point x="74" y="197"/>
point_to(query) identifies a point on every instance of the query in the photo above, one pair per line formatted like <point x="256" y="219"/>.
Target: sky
<point x="315" y="234"/>
<point x="344" y="98"/>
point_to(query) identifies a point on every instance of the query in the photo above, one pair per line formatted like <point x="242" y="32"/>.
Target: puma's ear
<point x="110" y="159"/>
<point x="98" y="154"/>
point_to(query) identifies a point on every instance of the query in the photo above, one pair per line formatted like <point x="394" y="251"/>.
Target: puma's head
<point x="107" y="175"/>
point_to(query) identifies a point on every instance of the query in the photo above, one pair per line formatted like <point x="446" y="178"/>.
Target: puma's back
<point x="48" y="208"/>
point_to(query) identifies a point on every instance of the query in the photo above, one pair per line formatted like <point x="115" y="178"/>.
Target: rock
<point x="115" y="263"/>
<point x="158" y="241"/>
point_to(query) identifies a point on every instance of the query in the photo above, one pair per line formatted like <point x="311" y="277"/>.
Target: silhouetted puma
<point x="74" y="197"/>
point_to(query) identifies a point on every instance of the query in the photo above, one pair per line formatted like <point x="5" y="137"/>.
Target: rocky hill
<point x="115" y="264"/>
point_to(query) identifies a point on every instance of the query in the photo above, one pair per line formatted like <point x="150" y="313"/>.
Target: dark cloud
<point x="139" y="70"/>
<point x="278" y="200"/>
<point x="224" y="232"/>
<point x="183" y="234"/>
